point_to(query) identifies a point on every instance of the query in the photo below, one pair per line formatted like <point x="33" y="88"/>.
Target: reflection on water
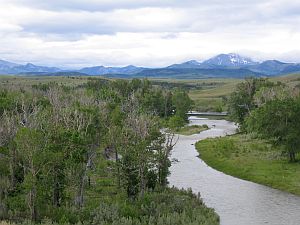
<point x="238" y="202"/>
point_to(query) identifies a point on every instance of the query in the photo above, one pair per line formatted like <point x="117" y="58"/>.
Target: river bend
<point x="237" y="202"/>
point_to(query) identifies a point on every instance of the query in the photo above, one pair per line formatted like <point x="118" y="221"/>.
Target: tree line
<point x="270" y="110"/>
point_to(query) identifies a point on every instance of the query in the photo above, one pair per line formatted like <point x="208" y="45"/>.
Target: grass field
<point x="33" y="80"/>
<point x="251" y="159"/>
<point x="207" y="94"/>
<point x="211" y="99"/>
<point x="292" y="80"/>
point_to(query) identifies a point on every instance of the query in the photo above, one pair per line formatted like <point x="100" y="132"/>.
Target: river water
<point x="237" y="202"/>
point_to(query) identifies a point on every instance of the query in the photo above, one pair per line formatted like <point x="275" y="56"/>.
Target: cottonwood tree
<point x="241" y="101"/>
<point x="164" y="146"/>
<point x="182" y="103"/>
<point x="23" y="115"/>
<point x="279" y="121"/>
<point x="81" y="120"/>
<point x="145" y="150"/>
<point x="30" y="146"/>
<point x="276" y="92"/>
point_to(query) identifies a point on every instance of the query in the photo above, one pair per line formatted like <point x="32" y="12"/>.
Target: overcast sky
<point x="76" y="33"/>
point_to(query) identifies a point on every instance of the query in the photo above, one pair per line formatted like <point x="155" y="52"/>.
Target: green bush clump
<point x="170" y="207"/>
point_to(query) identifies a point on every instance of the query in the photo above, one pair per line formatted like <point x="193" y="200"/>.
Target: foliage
<point x="271" y="110"/>
<point x="171" y="207"/>
<point x="241" y="101"/>
<point x="182" y="103"/>
<point x="175" y="122"/>
<point x="62" y="147"/>
<point x="278" y="120"/>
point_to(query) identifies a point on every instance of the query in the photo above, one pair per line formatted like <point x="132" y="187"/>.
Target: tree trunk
<point x="142" y="180"/>
<point x="292" y="156"/>
<point x="118" y="168"/>
<point x="13" y="164"/>
<point x="32" y="206"/>
<point x="79" y="198"/>
<point x="56" y="194"/>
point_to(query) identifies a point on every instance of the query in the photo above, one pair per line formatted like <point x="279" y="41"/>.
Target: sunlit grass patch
<point x="189" y="130"/>
<point x="251" y="159"/>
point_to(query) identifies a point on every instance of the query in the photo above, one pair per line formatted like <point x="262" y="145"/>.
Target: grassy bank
<point x="251" y="159"/>
<point x="189" y="130"/>
<point x="215" y="117"/>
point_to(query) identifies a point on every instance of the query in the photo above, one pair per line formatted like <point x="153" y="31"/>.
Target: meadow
<point x="207" y="94"/>
<point x="251" y="159"/>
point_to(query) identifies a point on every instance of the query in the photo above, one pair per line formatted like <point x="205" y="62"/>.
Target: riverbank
<point x="193" y="129"/>
<point x="251" y="159"/>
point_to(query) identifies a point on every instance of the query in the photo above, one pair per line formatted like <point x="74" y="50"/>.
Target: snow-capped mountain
<point x="229" y="60"/>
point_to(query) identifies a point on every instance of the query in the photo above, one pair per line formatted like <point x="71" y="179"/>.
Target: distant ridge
<point x="230" y="65"/>
<point x="101" y="70"/>
<point x="189" y="64"/>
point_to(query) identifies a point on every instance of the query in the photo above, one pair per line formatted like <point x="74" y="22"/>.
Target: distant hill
<point x="59" y="73"/>
<point x="13" y="68"/>
<point x="190" y="73"/>
<point x="186" y="65"/>
<point x="229" y="65"/>
<point x="6" y="67"/>
<point x="29" y="67"/>
<point x="275" y="67"/>
<point x="101" y="70"/>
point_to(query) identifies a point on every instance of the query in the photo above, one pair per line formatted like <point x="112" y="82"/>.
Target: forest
<point x="93" y="153"/>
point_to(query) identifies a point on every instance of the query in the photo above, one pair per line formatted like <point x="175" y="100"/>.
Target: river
<point x="237" y="202"/>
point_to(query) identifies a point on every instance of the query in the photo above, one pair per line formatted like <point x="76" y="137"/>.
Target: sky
<point x="150" y="33"/>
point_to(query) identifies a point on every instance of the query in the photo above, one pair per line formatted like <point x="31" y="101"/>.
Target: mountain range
<point x="222" y="66"/>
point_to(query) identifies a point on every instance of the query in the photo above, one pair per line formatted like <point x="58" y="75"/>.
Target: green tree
<point x="30" y="146"/>
<point x="279" y="121"/>
<point x="241" y="101"/>
<point x="182" y="103"/>
<point x="175" y="122"/>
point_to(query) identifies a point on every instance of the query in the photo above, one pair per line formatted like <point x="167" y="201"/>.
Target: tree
<point x="269" y="93"/>
<point x="175" y="122"/>
<point x="163" y="150"/>
<point x="278" y="120"/>
<point x="30" y="146"/>
<point x="182" y="103"/>
<point x="241" y="101"/>
<point x="137" y="154"/>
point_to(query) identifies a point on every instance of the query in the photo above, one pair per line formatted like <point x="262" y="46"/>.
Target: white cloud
<point x="147" y="33"/>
